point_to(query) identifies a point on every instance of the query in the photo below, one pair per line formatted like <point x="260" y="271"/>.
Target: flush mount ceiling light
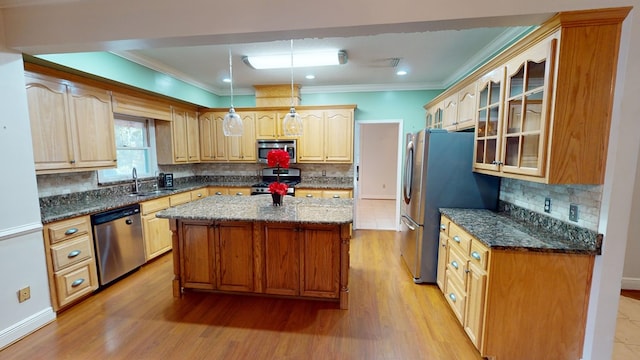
<point x="232" y="123"/>
<point x="309" y="59"/>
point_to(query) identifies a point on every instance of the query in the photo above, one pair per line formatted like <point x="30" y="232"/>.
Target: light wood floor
<point x="390" y="317"/>
<point x="626" y="345"/>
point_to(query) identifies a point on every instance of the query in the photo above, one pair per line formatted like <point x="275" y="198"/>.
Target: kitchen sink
<point x="151" y="193"/>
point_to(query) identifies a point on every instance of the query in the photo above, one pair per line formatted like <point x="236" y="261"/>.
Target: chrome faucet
<point x="136" y="184"/>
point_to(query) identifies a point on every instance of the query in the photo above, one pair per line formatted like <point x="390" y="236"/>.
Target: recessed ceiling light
<point x="401" y="72"/>
<point x="310" y="76"/>
<point x="226" y="80"/>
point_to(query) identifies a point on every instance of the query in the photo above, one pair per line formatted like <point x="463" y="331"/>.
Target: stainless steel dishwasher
<point x="119" y="244"/>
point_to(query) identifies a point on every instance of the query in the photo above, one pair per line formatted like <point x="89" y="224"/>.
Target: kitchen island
<point x="246" y="245"/>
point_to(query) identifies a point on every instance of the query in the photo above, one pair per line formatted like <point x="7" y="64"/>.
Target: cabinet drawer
<point x="68" y="229"/>
<point x="199" y="194"/>
<point x="459" y="238"/>
<point x="218" y="191"/>
<point x="71" y="252"/>
<point x="479" y="254"/>
<point x="336" y="194"/>
<point x="456" y="298"/>
<point x="75" y="282"/>
<point x="154" y="205"/>
<point x="457" y="264"/>
<point x="181" y="198"/>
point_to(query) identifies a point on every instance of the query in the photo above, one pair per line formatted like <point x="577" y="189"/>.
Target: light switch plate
<point x="547" y="205"/>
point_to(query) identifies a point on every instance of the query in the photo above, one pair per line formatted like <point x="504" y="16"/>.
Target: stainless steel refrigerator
<point x="437" y="173"/>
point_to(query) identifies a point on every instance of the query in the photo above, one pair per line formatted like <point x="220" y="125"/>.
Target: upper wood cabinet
<point x="434" y="115"/>
<point x="327" y="136"/>
<point x="71" y="125"/>
<point x="178" y="140"/>
<point x="215" y="146"/>
<point x="552" y="121"/>
<point x="269" y="125"/>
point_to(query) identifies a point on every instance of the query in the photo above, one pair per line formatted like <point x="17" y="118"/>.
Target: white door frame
<point x="356" y="163"/>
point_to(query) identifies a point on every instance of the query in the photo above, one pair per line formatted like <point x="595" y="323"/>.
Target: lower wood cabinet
<point x="300" y="260"/>
<point x="71" y="263"/>
<point x="221" y="190"/>
<point x="515" y="304"/>
<point x="324" y="193"/>
<point x="156" y="233"/>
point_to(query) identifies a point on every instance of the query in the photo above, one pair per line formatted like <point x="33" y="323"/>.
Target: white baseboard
<point x="25" y="327"/>
<point x="630" y="283"/>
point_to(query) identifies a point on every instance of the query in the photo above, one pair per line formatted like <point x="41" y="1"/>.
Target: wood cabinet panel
<point x="320" y="262"/>
<point x="234" y="253"/>
<point x="157" y="236"/>
<point x="281" y="254"/>
<point x="75" y="282"/>
<point x="141" y="107"/>
<point x="71" y="252"/>
<point x="197" y="249"/>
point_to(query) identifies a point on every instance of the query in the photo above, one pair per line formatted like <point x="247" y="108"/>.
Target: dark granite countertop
<point x="260" y="208"/>
<point x="498" y="230"/>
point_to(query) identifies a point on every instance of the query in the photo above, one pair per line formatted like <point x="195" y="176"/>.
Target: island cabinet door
<point x="320" y="261"/>
<point x="281" y="259"/>
<point x="234" y="256"/>
<point x="197" y="256"/>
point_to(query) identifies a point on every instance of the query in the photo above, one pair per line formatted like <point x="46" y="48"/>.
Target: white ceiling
<point x="434" y="59"/>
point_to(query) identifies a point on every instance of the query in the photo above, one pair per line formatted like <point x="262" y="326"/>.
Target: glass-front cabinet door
<point x="525" y="117"/>
<point x="489" y="110"/>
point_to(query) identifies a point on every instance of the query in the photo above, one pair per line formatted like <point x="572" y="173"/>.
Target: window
<point x="135" y="147"/>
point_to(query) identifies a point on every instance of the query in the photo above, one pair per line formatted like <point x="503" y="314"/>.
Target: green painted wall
<point x="376" y="105"/>
<point x="114" y="67"/>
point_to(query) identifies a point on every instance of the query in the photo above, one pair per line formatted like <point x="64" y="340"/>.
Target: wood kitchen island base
<point x="290" y="259"/>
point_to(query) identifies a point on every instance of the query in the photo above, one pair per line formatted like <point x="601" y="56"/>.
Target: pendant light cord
<point x="291" y="72"/>
<point x="231" y="77"/>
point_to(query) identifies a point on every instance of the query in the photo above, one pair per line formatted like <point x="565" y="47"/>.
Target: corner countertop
<point x="260" y="208"/>
<point x="499" y="231"/>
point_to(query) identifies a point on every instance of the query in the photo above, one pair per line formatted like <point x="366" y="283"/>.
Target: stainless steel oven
<point x="290" y="176"/>
<point x="264" y="146"/>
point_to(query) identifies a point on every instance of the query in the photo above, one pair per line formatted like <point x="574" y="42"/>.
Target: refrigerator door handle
<point x="408" y="222"/>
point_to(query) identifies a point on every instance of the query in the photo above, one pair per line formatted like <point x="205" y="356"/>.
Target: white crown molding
<point x="487" y="52"/>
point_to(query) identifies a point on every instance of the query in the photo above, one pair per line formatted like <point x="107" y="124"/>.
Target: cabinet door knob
<point x="452" y="296"/>
<point x="456" y="239"/>
<point x="454" y="264"/>
<point x="475" y="255"/>
<point x="443" y="227"/>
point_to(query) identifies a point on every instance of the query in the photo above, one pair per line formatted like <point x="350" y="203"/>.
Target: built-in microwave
<point x="264" y="146"/>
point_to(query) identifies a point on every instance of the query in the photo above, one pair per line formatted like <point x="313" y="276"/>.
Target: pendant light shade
<point x="232" y="123"/>
<point x="292" y="123"/>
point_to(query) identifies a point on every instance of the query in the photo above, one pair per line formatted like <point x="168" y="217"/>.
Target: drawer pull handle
<point x="218" y="193"/>
<point x="73" y="254"/>
<point x="199" y="195"/>
<point x="309" y="195"/>
<point x="239" y="193"/>
<point x="443" y="227"/>
<point x="452" y="296"/>
<point x="475" y="255"/>
<point x="456" y="239"/>
<point x="77" y="283"/>
<point x="336" y="196"/>
<point x="454" y="264"/>
<point x="71" y="231"/>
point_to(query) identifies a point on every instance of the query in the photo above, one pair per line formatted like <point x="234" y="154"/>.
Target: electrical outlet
<point x="324" y="172"/>
<point x="547" y="205"/>
<point x="24" y="294"/>
<point x="573" y="212"/>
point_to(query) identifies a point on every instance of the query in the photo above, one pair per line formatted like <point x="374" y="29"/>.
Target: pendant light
<point x="292" y="124"/>
<point x="232" y="123"/>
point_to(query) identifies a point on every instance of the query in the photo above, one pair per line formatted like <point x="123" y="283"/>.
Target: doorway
<point x="377" y="174"/>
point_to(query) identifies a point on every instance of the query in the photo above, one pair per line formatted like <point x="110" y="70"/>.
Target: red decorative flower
<point x="278" y="188"/>
<point x="278" y="158"/>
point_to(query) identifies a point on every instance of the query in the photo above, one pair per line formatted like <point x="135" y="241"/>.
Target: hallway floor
<point x="375" y="214"/>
